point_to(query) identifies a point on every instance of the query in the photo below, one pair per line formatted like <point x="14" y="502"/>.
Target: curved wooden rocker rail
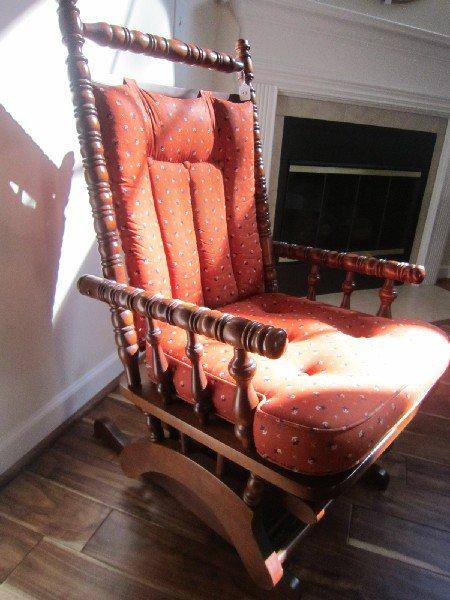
<point x="389" y="270"/>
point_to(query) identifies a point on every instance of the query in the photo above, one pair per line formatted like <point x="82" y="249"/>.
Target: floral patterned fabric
<point x="345" y="379"/>
<point x="182" y="178"/>
<point x="181" y="172"/>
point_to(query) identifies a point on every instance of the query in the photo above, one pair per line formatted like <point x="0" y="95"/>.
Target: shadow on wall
<point x="57" y="347"/>
<point x="33" y="195"/>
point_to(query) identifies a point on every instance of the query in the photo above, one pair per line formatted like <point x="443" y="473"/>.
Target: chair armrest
<point x="238" y="332"/>
<point x="354" y="263"/>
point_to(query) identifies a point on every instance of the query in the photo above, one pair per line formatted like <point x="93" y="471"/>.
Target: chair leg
<point x="110" y="434"/>
<point x="378" y="476"/>
<point x="289" y="587"/>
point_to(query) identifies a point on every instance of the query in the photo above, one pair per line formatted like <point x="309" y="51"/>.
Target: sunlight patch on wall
<point x="38" y="98"/>
<point x="23" y="196"/>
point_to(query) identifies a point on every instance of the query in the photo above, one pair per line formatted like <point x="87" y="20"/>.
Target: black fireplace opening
<point x="349" y="187"/>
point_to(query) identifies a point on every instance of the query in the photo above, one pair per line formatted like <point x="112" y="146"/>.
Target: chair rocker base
<point x="263" y="511"/>
<point x="264" y="540"/>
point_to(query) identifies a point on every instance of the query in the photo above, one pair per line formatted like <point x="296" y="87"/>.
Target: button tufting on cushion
<point x="346" y="378"/>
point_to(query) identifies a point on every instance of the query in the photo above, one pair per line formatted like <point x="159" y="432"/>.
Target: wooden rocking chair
<point x="313" y="394"/>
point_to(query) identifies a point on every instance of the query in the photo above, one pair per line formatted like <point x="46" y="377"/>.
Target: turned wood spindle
<point x="253" y="490"/>
<point x="199" y="383"/>
<point x="261" y="196"/>
<point x="97" y="180"/>
<point x="220" y="465"/>
<point x="348" y="287"/>
<point x="160" y="367"/>
<point x="155" y="428"/>
<point x="387" y="295"/>
<point x="242" y="367"/>
<point x="122" y="38"/>
<point x="184" y="444"/>
<point x="313" y="280"/>
<point x="238" y="332"/>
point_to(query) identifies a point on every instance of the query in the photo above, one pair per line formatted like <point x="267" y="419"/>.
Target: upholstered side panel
<point x="208" y="203"/>
<point x="234" y="153"/>
<point x="124" y="127"/>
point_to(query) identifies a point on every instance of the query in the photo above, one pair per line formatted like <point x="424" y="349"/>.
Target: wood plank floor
<point x="72" y="526"/>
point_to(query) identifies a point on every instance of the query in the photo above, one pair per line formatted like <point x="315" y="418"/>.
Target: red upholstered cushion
<point x="176" y="223"/>
<point x="344" y="381"/>
<point x="182" y="178"/>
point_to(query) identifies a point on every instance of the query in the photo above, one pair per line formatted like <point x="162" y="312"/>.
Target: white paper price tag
<point x="244" y="91"/>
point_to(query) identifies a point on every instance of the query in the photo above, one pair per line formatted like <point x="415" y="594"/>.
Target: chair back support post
<point x="261" y="198"/>
<point x="96" y="175"/>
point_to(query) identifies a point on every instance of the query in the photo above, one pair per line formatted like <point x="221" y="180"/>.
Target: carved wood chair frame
<point x="261" y="509"/>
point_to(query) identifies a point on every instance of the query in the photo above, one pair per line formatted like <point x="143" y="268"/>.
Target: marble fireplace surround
<point x="357" y="68"/>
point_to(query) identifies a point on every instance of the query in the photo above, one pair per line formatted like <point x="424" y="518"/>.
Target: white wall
<point x="358" y="52"/>
<point x="56" y="346"/>
<point x="430" y="15"/>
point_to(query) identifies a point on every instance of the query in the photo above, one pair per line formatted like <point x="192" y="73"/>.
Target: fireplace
<point x="350" y="187"/>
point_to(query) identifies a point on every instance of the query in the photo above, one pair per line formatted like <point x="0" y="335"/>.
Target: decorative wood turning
<point x="387" y="296"/>
<point x="122" y="38"/>
<point x="160" y="366"/>
<point x="242" y="368"/>
<point x="313" y="280"/>
<point x="261" y="198"/>
<point x="97" y="180"/>
<point x="390" y="270"/>
<point x="367" y="265"/>
<point x="253" y="490"/>
<point x="348" y="287"/>
<point x="241" y="333"/>
<point x="199" y="383"/>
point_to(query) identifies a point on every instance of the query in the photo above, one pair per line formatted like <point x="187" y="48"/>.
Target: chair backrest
<point x="181" y="171"/>
<point x="221" y="259"/>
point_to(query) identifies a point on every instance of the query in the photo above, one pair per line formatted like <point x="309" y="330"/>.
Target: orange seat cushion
<point x="344" y="381"/>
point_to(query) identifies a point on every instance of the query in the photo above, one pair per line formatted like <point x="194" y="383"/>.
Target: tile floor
<point x="424" y="302"/>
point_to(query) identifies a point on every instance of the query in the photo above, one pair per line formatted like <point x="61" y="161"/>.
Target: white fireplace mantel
<point x="314" y="50"/>
<point x="310" y="49"/>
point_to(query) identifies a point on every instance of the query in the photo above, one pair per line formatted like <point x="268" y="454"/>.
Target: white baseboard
<point x="444" y="272"/>
<point x="25" y="436"/>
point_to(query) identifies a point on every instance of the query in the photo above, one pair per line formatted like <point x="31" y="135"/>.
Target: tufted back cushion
<point x="182" y="177"/>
